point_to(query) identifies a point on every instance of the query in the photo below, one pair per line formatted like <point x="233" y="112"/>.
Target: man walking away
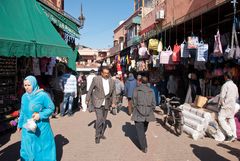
<point x="228" y="99"/>
<point x="102" y="94"/>
<point x="69" y="87"/>
<point x="119" y="91"/>
<point x="143" y="106"/>
<point x="130" y="85"/>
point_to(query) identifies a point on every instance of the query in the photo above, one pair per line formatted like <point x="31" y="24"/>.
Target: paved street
<point x="75" y="142"/>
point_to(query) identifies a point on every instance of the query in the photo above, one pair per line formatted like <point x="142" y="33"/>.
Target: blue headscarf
<point x="33" y="82"/>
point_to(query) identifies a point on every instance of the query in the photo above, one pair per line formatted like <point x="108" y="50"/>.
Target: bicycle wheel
<point x="179" y="124"/>
<point x="165" y="121"/>
<point x="178" y="129"/>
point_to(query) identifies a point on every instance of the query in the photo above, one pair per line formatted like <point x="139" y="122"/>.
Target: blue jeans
<point x="67" y="99"/>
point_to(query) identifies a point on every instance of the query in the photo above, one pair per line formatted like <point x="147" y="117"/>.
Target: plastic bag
<point x="30" y="125"/>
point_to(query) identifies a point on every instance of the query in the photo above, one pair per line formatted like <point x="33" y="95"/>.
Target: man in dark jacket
<point x="130" y="85"/>
<point x="143" y="105"/>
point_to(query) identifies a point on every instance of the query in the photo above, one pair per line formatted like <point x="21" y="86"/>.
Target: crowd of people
<point x="101" y="92"/>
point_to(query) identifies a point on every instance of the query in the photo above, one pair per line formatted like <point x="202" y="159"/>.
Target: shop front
<point x="29" y="45"/>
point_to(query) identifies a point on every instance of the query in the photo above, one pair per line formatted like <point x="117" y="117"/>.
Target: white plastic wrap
<point x="199" y="112"/>
<point x="194" y="117"/>
<point x="193" y="133"/>
<point x="194" y="125"/>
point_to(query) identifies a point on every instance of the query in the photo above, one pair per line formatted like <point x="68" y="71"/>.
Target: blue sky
<point x="102" y="17"/>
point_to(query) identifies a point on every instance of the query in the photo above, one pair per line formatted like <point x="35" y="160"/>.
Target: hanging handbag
<point x="176" y="53"/>
<point x="192" y="42"/>
<point x="237" y="50"/>
<point x="234" y="51"/>
<point x="155" y="60"/>
<point x="143" y="52"/>
<point x="218" y="52"/>
<point x="153" y="44"/>
<point x="184" y="50"/>
<point x="165" y="56"/>
<point x="202" y="52"/>
<point x="160" y="46"/>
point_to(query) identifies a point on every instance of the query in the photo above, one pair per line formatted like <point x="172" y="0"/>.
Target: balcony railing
<point x="59" y="10"/>
<point x="135" y="40"/>
<point x="135" y="20"/>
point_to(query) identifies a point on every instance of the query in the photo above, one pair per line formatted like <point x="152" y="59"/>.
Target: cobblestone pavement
<point x="75" y="142"/>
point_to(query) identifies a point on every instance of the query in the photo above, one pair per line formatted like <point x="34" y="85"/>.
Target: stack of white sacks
<point x="195" y="121"/>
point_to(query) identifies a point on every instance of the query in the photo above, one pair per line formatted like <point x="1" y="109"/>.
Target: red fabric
<point x="119" y="68"/>
<point x="237" y="121"/>
<point x="176" y="53"/>
<point x="15" y="114"/>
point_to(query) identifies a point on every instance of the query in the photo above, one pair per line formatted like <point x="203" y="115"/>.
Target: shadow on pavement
<point x="130" y="131"/>
<point x="206" y="154"/>
<point x="5" y="138"/>
<point x="233" y="151"/>
<point x="108" y="124"/>
<point x="60" y="142"/>
<point x="167" y="127"/>
<point x="11" y="153"/>
<point x="123" y="109"/>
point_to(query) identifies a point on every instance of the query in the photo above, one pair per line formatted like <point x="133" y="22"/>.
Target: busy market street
<point x="126" y="80"/>
<point x="74" y="138"/>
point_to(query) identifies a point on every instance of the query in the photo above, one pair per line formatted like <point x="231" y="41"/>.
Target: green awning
<point x="72" y="59"/>
<point x="25" y="30"/>
<point x="61" y="21"/>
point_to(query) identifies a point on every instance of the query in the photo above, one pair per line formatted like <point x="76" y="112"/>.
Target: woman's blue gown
<point x="38" y="146"/>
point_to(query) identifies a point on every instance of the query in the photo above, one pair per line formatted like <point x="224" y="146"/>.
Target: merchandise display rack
<point x="8" y="99"/>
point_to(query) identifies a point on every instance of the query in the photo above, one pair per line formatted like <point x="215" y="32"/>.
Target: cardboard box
<point x="200" y="101"/>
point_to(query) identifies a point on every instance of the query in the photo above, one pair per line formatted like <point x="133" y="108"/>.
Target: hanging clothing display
<point x="36" y="67"/>
<point x="50" y="66"/>
<point x="202" y="52"/>
<point x="155" y="60"/>
<point x="153" y="44"/>
<point x="184" y="50"/>
<point x="218" y="51"/>
<point x="192" y="42"/>
<point x="165" y="56"/>
<point x="176" y="53"/>
<point x="160" y="46"/>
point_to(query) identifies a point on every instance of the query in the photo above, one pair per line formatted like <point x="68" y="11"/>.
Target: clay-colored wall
<point x="177" y="11"/>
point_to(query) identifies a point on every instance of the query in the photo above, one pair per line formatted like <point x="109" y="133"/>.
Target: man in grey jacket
<point x="102" y="94"/>
<point x="143" y="106"/>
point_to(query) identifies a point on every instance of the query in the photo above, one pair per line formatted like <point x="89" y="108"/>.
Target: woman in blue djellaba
<point x="39" y="144"/>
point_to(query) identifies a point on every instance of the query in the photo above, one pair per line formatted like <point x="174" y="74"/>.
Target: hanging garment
<point x="176" y="53"/>
<point x="192" y="42"/>
<point x="143" y="52"/>
<point x="36" y="67"/>
<point x="234" y="51"/>
<point x="184" y="50"/>
<point x="165" y="56"/>
<point x="155" y="60"/>
<point x="153" y="44"/>
<point x="119" y="68"/>
<point x="160" y="46"/>
<point x="133" y="64"/>
<point x="202" y="52"/>
<point x="218" y="45"/>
